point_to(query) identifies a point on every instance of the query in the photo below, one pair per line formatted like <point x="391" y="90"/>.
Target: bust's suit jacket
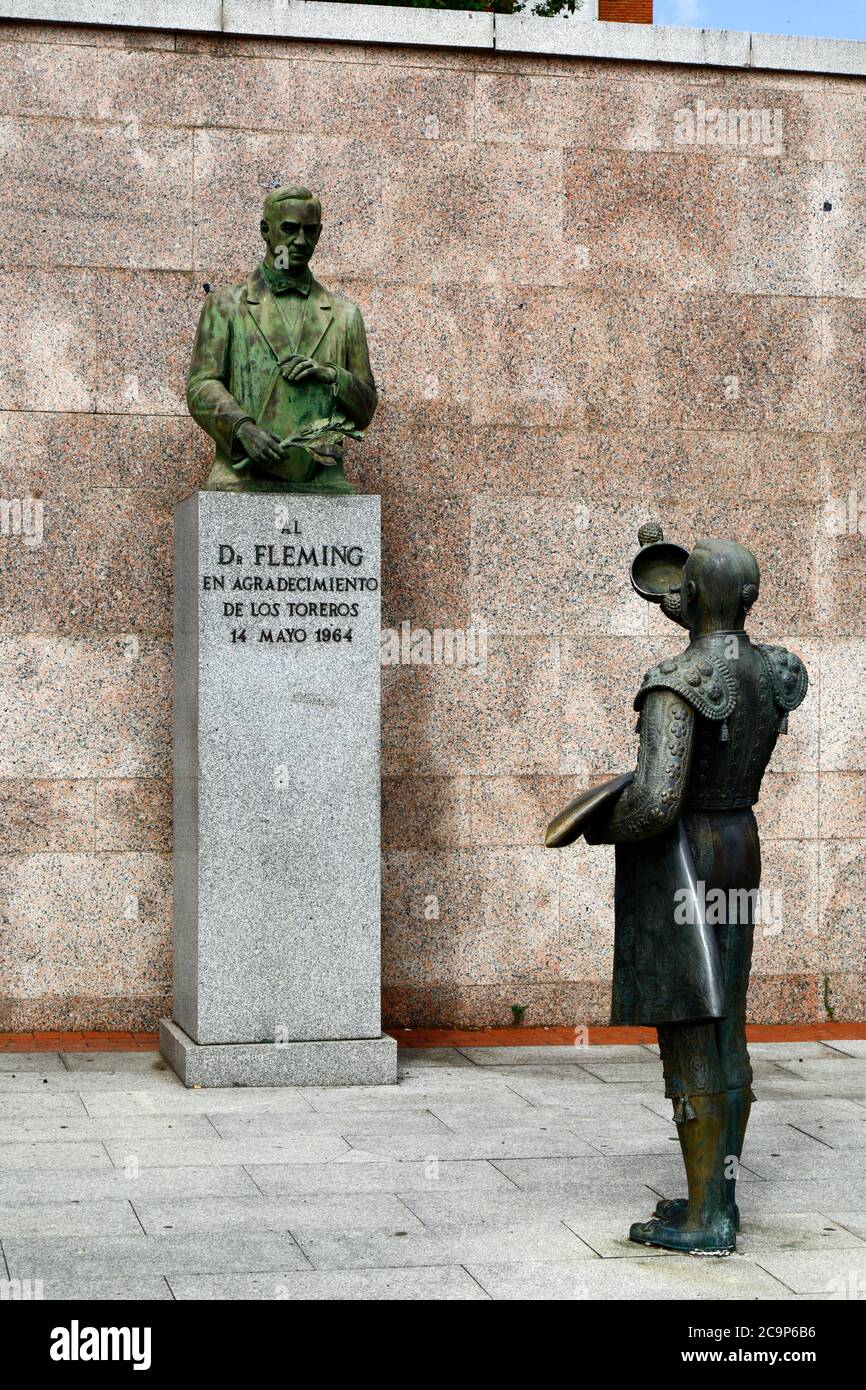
<point x="240" y="340"/>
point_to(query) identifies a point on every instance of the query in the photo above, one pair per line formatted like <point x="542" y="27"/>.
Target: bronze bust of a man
<point x="280" y="373"/>
<point x="686" y="837"/>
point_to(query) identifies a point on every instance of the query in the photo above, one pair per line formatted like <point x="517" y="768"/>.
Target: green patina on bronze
<point x="280" y="374"/>
<point x="688" y="864"/>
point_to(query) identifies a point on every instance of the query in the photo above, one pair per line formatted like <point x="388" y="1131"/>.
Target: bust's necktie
<point x="281" y="282"/>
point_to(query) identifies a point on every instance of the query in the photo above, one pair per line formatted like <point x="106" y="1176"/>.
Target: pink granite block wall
<point x="583" y="313"/>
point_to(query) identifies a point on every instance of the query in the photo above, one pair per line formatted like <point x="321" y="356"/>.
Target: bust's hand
<point x="259" y="444"/>
<point x="305" y="369"/>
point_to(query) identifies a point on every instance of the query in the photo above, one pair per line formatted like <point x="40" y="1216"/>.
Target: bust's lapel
<point x="317" y="320"/>
<point x="263" y="308"/>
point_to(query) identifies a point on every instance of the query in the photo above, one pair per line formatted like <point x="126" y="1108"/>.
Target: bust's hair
<point x="290" y="192"/>
<point x="727" y="578"/>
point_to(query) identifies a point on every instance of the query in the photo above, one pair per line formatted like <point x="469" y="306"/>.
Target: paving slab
<point x="848" y="1047"/>
<point x="134" y="1064"/>
<point x="95" y="1256"/>
<point x="844" y="1074"/>
<point x="64" y="1082"/>
<point x="402" y="1285"/>
<point x="811" y="1297"/>
<point x="670" y="1279"/>
<point x="216" y="1152"/>
<point x="574" y="1054"/>
<point x="27" y="1155"/>
<point x="491" y="1143"/>
<point x="840" y="1273"/>
<point x="575" y="1078"/>
<point x="651" y="1077"/>
<point x="67" y="1218"/>
<point x="69" y="1286"/>
<point x="788" y="1109"/>
<point x="367" y="1211"/>
<point x="574" y="1090"/>
<point x="37" y="1102"/>
<point x="831" y="1081"/>
<point x="586" y="1174"/>
<point x="771" y="1068"/>
<point x="356" y="1174"/>
<point x="432" y="1089"/>
<point x="463" y="1080"/>
<point x="276" y="1126"/>
<point x="787" y="1230"/>
<point x="776" y="1138"/>
<point x="793" y="1108"/>
<point x="46" y="1063"/>
<point x="522" y="1114"/>
<point x="821" y="1164"/>
<point x="853" y="1220"/>
<point x="141" y="1184"/>
<point x="449" y="1210"/>
<point x="648" y="1078"/>
<point x="573" y="1117"/>
<point x="760" y="1197"/>
<point x="791" y="1051"/>
<point x="622" y="1139"/>
<point x="516" y="1242"/>
<point x="117" y="1127"/>
<point x="411" y="1059"/>
<point x="836" y="1134"/>
<point x="179" y="1101"/>
<point x="530" y="1167"/>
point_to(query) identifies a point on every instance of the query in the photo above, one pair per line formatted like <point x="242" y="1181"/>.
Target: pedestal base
<point x="345" y="1062"/>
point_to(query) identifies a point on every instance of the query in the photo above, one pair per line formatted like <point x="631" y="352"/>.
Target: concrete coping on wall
<point x="394" y="25"/>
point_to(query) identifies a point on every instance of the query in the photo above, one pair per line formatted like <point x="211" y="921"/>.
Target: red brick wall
<point x="626" y="11"/>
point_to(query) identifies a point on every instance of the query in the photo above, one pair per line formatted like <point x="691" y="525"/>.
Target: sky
<point x="829" y="19"/>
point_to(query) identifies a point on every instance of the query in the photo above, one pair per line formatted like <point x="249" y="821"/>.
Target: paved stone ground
<point x="504" y="1173"/>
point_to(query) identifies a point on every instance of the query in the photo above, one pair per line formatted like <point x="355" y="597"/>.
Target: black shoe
<point x="719" y="1239"/>
<point x="667" y="1208"/>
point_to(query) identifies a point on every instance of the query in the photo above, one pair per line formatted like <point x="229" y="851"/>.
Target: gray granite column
<point x="276" y="787"/>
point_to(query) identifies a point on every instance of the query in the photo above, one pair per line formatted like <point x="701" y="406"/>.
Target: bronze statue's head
<point x="719" y="585"/>
<point x="291" y="225"/>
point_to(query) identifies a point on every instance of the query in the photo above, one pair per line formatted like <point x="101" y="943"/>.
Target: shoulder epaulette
<point x="788" y="678"/>
<point x="701" y="679"/>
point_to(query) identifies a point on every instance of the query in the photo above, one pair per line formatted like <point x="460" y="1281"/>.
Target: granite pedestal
<point x="276" y="787"/>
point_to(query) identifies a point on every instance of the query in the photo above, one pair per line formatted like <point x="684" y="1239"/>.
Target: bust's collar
<point x="258" y="289"/>
<point x="281" y="282"/>
<point x="720" y="635"/>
